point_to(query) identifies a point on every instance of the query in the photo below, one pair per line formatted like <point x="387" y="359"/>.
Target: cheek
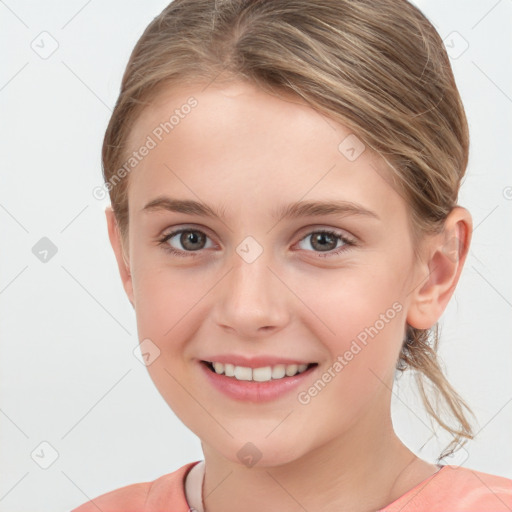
<point x="349" y="300"/>
<point x="162" y="293"/>
<point x="167" y="311"/>
<point x="360" y="320"/>
<point x="171" y="307"/>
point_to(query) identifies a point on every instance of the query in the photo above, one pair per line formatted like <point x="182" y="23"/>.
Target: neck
<point x="363" y="470"/>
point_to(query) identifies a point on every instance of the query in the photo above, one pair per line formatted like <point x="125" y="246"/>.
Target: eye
<point x="326" y="241"/>
<point x="191" y="240"/>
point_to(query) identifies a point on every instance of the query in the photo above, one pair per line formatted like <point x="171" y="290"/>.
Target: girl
<point x="284" y="180"/>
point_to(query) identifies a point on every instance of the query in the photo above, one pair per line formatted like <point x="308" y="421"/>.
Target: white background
<point x="67" y="331"/>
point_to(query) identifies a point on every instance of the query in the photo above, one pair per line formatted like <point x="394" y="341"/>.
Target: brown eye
<point x="185" y="241"/>
<point x="192" y="240"/>
<point x="323" y="241"/>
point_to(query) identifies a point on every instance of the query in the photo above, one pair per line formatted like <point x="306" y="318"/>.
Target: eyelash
<point x="349" y="243"/>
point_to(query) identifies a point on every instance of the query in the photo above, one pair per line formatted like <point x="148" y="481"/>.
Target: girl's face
<point x="254" y="283"/>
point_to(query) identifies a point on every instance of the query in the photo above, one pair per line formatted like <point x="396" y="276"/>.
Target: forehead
<point x="236" y="109"/>
<point x="236" y="141"/>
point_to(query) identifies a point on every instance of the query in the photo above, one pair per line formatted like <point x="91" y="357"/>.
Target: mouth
<point x="261" y="375"/>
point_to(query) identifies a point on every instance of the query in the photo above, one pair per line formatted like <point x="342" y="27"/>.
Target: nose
<point x="252" y="300"/>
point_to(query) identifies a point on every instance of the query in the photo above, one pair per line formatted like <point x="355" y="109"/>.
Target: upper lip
<point x="254" y="362"/>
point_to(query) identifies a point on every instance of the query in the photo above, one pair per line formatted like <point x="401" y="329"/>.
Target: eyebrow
<point x="291" y="211"/>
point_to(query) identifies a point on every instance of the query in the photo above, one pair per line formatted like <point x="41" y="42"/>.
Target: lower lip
<point x="250" y="391"/>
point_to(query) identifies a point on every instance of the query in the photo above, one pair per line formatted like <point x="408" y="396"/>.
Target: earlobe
<point x="445" y="257"/>
<point x="123" y="262"/>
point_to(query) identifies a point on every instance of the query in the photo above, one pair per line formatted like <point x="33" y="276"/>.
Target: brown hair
<point x="377" y="66"/>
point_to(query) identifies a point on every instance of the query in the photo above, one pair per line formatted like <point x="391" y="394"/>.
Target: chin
<point x="258" y="451"/>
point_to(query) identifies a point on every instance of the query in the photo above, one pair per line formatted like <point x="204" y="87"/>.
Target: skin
<point x="248" y="152"/>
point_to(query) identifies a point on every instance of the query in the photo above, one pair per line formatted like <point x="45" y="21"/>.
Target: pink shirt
<point x="451" y="489"/>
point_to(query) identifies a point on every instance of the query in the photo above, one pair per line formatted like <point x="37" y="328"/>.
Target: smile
<point x="262" y="374"/>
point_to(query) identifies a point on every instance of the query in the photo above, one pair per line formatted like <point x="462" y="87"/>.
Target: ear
<point x="123" y="262"/>
<point x="443" y="258"/>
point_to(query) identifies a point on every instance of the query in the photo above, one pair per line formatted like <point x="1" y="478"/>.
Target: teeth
<point x="263" y="374"/>
<point x="291" y="370"/>
<point x="243" y="373"/>
<point x="279" y="371"/>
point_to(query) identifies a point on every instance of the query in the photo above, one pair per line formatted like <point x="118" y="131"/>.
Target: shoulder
<point x="478" y="489"/>
<point x="167" y="490"/>
<point x="458" y="489"/>
<point x="130" y="497"/>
